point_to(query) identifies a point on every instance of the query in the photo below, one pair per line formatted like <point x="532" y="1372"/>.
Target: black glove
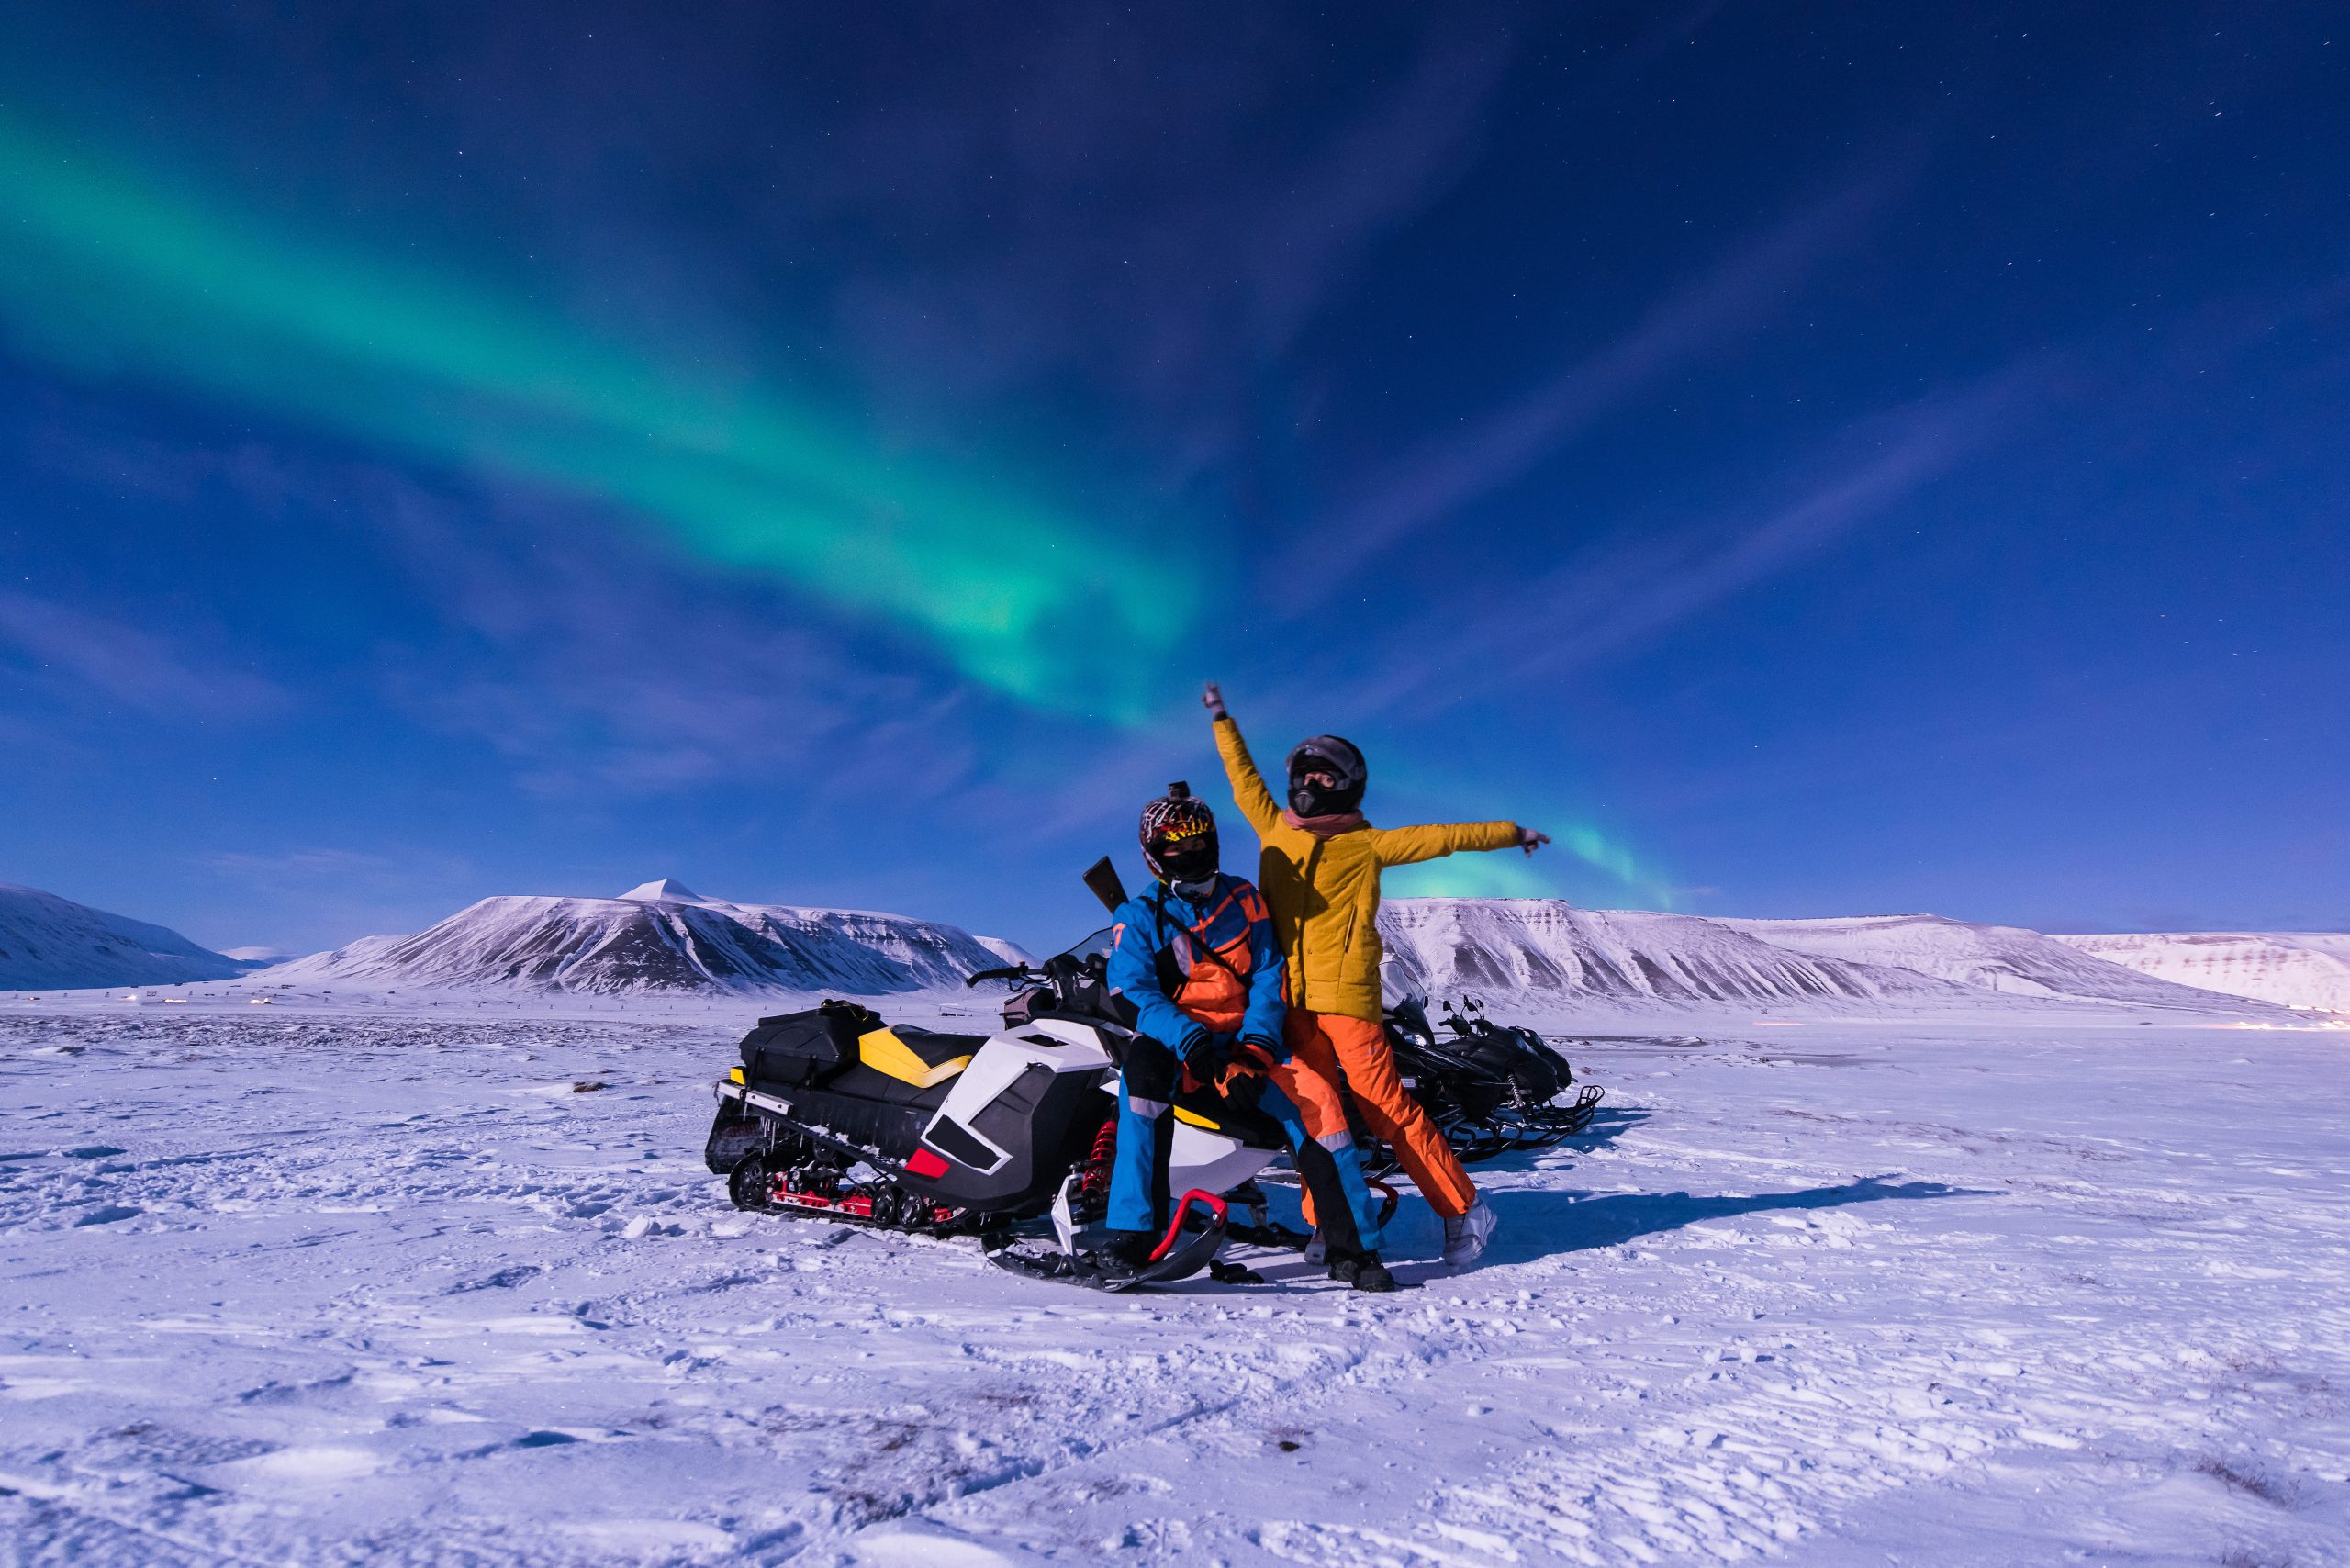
<point x="1205" y="1058"/>
<point x="1242" y="1091"/>
<point x="1256" y="1046"/>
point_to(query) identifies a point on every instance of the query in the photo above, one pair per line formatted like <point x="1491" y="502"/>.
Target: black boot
<point x="1363" y="1272"/>
<point x="1126" y="1251"/>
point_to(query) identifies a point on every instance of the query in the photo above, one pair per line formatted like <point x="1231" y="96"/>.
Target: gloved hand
<point x="1243" y="1090"/>
<point x="1529" y="840"/>
<point x="1212" y="701"/>
<point x="1258" y="1052"/>
<point x="1204" y="1057"/>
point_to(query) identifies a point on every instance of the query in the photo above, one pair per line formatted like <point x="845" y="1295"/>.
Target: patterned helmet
<point x="1179" y="836"/>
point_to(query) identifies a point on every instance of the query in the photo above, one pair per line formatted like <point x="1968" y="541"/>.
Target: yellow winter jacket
<point x="1324" y="893"/>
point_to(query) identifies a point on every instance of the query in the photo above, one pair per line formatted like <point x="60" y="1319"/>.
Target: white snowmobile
<point x="835" y="1114"/>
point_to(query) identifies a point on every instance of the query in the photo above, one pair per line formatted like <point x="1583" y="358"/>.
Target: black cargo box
<point x="800" y="1049"/>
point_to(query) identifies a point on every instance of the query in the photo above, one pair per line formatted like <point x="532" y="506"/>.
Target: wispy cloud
<point x="1733" y="298"/>
<point x="1174" y="281"/>
<point x="608" y="670"/>
<point x="1591" y="608"/>
<point x="132" y="666"/>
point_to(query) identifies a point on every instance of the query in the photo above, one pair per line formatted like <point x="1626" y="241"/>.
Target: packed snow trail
<point x="321" y="1288"/>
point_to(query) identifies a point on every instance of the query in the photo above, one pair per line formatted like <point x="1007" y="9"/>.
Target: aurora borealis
<point x="1885" y="465"/>
<point x="109" y="275"/>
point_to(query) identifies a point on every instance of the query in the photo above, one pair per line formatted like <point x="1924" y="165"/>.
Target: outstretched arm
<point x="1255" y="801"/>
<point x="1402" y="845"/>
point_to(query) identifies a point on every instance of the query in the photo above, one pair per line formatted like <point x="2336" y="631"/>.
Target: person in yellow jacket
<point x="1319" y="875"/>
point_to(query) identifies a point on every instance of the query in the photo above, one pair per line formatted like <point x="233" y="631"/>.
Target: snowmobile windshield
<point x="1097" y="943"/>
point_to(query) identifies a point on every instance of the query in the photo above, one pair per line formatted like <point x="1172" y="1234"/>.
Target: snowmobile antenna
<point x="1101" y="878"/>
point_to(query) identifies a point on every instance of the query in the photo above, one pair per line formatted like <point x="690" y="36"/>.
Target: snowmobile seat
<point x="901" y="1065"/>
<point x="937" y="1049"/>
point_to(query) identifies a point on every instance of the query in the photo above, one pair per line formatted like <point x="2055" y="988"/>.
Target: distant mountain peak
<point x="667" y="890"/>
<point x="661" y="938"/>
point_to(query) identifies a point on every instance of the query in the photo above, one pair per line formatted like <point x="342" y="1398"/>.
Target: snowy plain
<point x="313" y="1286"/>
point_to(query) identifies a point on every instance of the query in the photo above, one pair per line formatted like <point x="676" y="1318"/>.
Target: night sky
<point x="1810" y="459"/>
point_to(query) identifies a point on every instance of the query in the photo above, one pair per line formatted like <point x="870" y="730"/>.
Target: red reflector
<point x="925" y="1163"/>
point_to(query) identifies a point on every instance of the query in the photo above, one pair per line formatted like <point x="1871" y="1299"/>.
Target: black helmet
<point x="1179" y="836"/>
<point x="1333" y="755"/>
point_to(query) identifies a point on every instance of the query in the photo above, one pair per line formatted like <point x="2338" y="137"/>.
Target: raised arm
<point x="1402" y="845"/>
<point x="1255" y="801"/>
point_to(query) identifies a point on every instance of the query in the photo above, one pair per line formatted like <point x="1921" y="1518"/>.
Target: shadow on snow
<point x="1537" y="1224"/>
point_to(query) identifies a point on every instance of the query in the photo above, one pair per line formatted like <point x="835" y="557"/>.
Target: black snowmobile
<point x="835" y="1114"/>
<point x="1491" y="1089"/>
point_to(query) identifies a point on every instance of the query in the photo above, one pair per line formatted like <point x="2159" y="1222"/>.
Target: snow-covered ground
<point x="281" y="1285"/>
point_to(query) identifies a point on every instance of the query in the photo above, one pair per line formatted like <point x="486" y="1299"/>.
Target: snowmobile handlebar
<point x="1010" y="972"/>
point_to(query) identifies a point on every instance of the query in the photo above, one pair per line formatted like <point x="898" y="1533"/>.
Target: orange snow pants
<point x="1327" y="1042"/>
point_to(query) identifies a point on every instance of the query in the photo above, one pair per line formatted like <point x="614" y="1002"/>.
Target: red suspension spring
<point x="1097" y="1164"/>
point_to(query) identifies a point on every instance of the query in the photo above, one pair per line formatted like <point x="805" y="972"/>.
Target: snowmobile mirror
<point x="1101" y="878"/>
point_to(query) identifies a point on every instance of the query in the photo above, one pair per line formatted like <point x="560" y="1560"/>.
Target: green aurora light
<point x="106" y="275"/>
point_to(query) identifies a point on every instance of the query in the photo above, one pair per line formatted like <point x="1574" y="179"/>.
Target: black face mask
<point x="1308" y="799"/>
<point x="1193" y="861"/>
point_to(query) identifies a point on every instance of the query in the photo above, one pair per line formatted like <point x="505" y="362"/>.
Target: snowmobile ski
<point x="1179" y="1257"/>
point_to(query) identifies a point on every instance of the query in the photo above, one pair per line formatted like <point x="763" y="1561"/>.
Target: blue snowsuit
<point x="1211" y="972"/>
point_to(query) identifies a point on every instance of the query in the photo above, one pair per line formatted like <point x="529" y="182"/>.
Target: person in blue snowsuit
<point x="1196" y="959"/>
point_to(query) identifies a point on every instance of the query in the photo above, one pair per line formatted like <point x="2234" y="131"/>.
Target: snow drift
<point x="46" y="942"/>
<point x="661" y="937"/>
<point x="2297" y="968"/>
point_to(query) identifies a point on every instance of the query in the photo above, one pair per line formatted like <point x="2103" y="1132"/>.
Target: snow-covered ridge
<point x="661" y="937"/>
<point x="1500" y="947"/>
<point x="49" y="942"/>
<point x="2295" y="968"/>
<point x="1541" y="949"/>
<point x="1991" y="958"/>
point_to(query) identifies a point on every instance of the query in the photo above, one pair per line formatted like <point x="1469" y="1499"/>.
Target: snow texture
<point x="2295" y="968"/>
<point x="660" y="937"/>
<point x="2024" y="1288"/>
<point x="50" y="943"/>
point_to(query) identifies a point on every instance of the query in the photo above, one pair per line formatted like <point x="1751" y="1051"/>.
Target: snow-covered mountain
<point x="660" y="937"/>
<point x="2297" y="968"/>
<point x="1543" y="947"/>
<point x="1990" y="957"/>
<point x="46" y="942"/>
<point x="1006" y="951"/>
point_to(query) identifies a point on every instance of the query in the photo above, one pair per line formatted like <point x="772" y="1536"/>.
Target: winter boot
<point x="1465" y="1235"/>
<point x="1363" y="1272"/>
<point x="1317" y="1251"/>
<point x="1126" y="1251"/>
